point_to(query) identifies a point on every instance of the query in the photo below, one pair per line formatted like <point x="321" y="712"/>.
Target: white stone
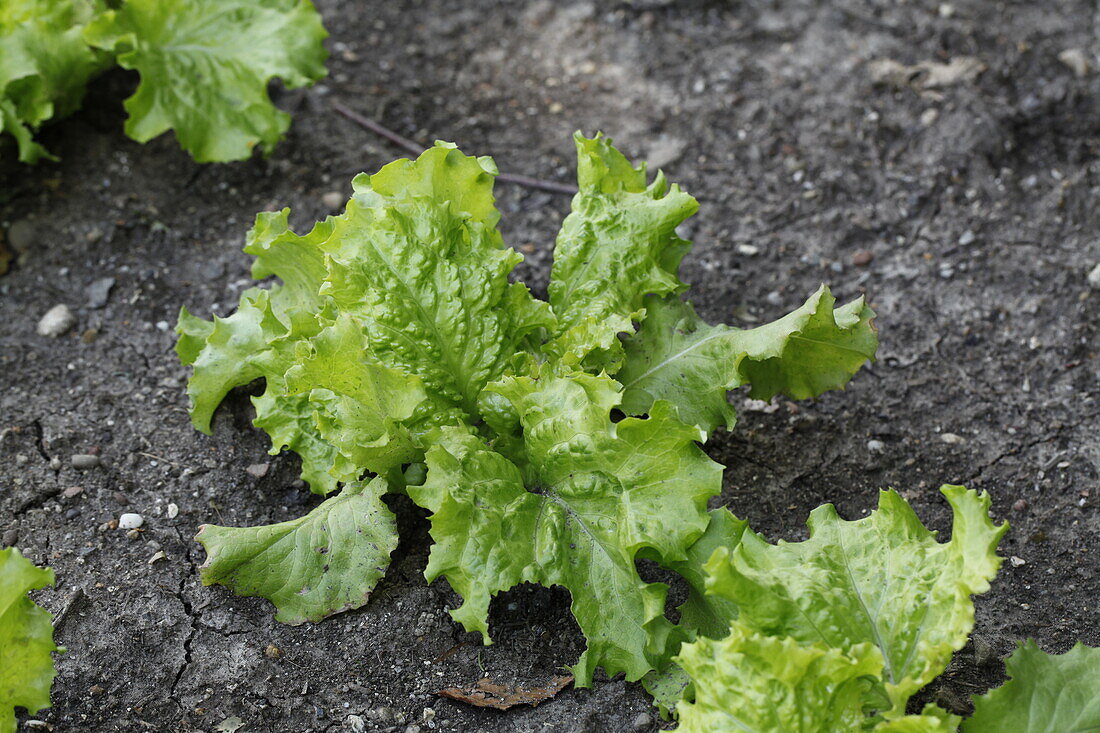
<point x="130" y="521"/>
<point x="333" y="200"/>
<point x="56" y="322"/>
<point x="173" y="511"/>
<point x="1076" y="60"/>
<point x="1094" y="277"/>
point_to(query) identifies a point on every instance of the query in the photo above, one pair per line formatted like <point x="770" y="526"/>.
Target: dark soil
<point x="979" y="202"/>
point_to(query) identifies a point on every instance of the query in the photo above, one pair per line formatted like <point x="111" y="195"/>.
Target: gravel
<point x="85" y="461"/>
<point x="57" y="321"/>
<point x="99" y="292"/>
<point x="21" y="235"/>
<point x="130" y="521"/>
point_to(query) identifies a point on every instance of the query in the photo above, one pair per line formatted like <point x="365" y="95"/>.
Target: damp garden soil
<point x="976" y="205"/>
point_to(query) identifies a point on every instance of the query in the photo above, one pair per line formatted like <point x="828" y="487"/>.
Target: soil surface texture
<point x="939" y="157"/>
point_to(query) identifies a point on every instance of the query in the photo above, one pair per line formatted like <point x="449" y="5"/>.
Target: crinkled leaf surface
<point x="882" y="580"/>
<point x="676" y="356"/>
<point x="321" y="564"/>
<point x="205" y="66"/>
<point x="762" y="684"/>
<point x="1047" y="693"/>
<point x="617" y="245"/>
<point x="26" y="639"/>
<point x="592" y="495"/>
<point x="44" y="65"/>
<point x="422" y="270"/>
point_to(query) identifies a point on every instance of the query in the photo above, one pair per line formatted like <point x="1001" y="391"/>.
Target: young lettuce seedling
<point x="396" y="344"/>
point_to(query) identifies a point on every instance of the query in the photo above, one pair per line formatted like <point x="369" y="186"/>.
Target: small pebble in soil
<point x="643" y="721"/>
<point x="333" y="200"/>
<point x="72" y="491"/>
<point x="863" y="257"/>
<point x="99" y="292"/>
<point x="173" y="511"/>
<point x="952" y="439"/>
<point x="21" y="235"/>
<point x="56" y="322"/>
<point x="1077" y="61"/>
<point x="967" y="237"/>
<point x="130" y="521"/>
<point x="355" y="724"/>
<point x="1017" y="561"/>
<point x="10" y="538"/>
<point x="1094" y="277"/>
<point x="259" y="470"/>
<point x="1019" y="505"/>
<point x="876" y="446"/>
<point x="84" y="461"/>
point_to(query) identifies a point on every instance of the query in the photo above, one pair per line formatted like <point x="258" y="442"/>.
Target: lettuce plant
<point x="204" y="66"/>
<point x="26" y="639"/>
<point x="553" y="442"/>
<point x="835" y="634"/>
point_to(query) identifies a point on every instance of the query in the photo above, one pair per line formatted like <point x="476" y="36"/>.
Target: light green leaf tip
<point x="1047" y="693"/>
<point x="321" y="564"/>
<point x="677" y="356"/>
<point x="617" y="245"/>
<point x="882" y="580"/>
<point x="26" y="639"/>
<point x="931" y="719"/>
<point x="205" y="66"/>
<point x="752" y="682"/>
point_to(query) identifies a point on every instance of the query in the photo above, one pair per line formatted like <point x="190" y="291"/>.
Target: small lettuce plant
<point x="553" y="441"/>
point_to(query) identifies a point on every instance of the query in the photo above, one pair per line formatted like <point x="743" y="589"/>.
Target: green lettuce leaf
<point x="592" y="494"/>
<point x="618" y="245"/>
<point x="678" y="357"/>
<point x="882" y="580"/>
<point x="752" y="682"/>
<point x="423" y="271"/>
<point x="205" y="66"/>
<point x="44" y="65"/>
<point x="1047" y="693"/>
<point x="26" y="639"/>
<point x="321" y="564"/>
<point x="702" y="613"/>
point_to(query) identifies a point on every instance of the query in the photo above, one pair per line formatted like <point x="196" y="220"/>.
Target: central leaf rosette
<point x="571" y="504"/>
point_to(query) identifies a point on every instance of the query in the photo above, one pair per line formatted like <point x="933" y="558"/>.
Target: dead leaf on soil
<point x="926" y="74"/>
<point x="488" y="694"/>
